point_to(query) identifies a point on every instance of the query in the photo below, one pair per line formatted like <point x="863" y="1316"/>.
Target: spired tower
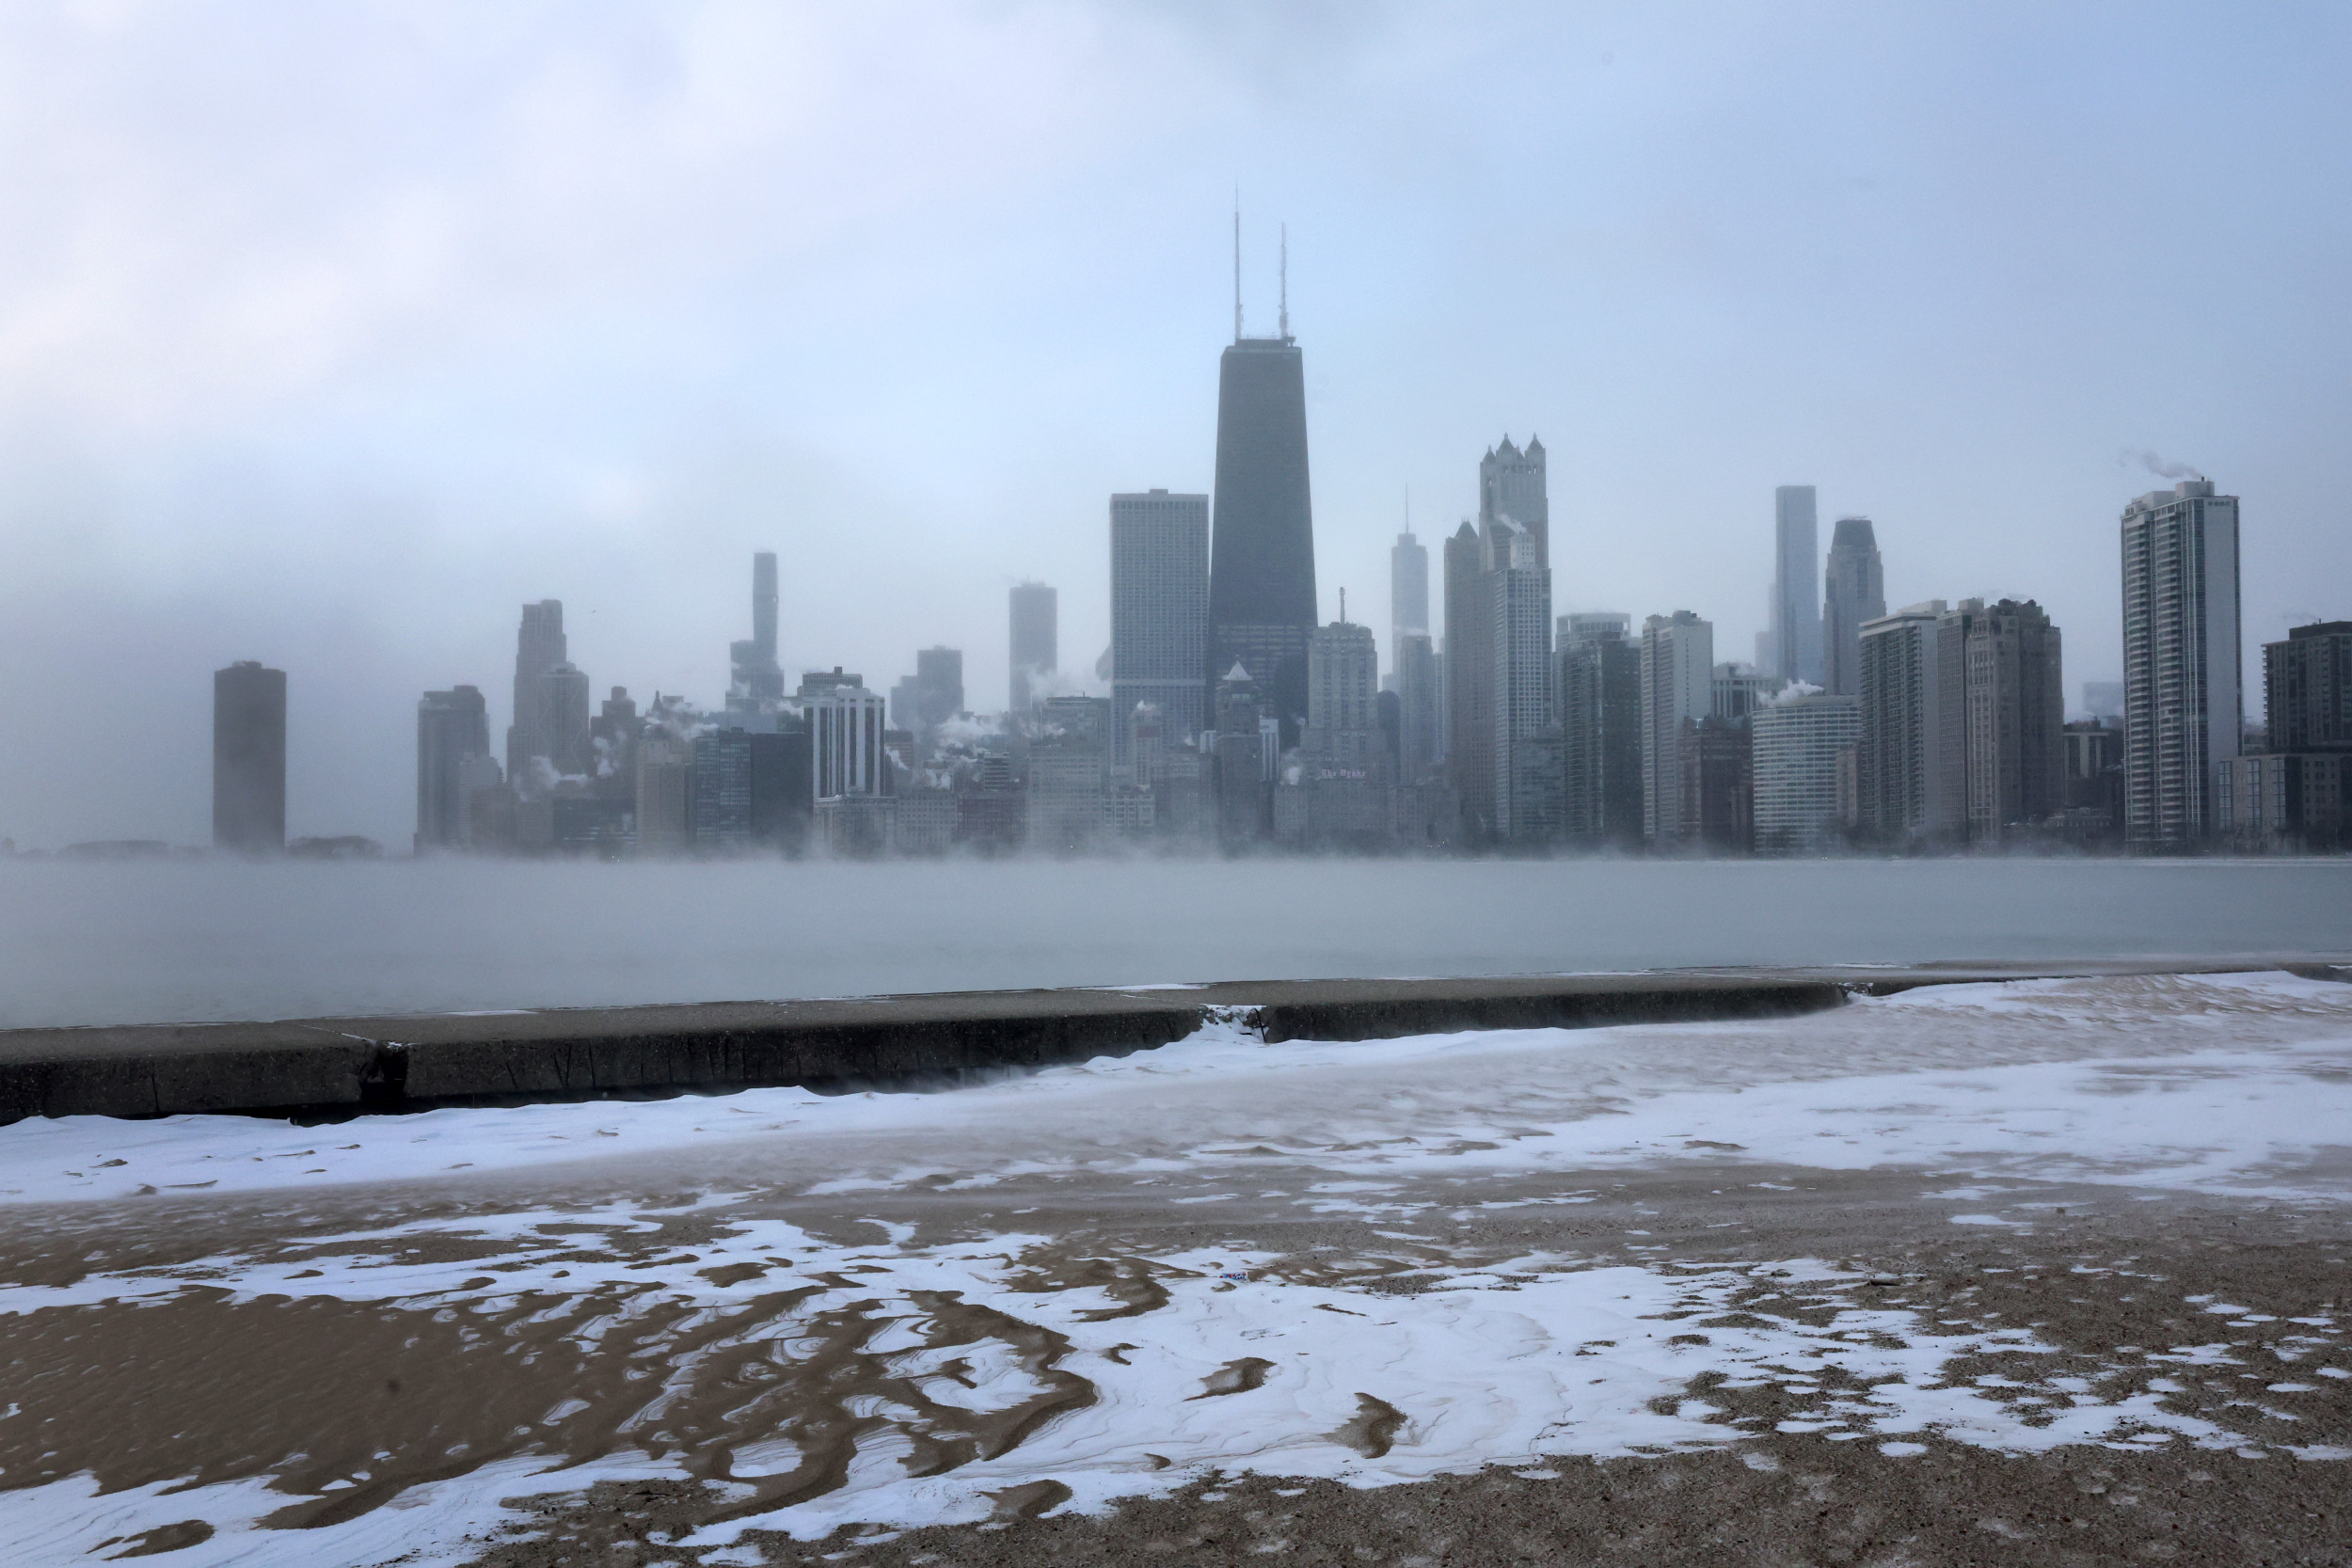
<point x="1261" y="554"/>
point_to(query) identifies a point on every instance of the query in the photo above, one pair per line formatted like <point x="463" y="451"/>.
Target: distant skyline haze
<point x="331" y="337"/>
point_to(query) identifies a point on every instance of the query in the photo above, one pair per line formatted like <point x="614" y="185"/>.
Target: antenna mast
<point x="1286" y="293"/>
<point x="1237" y="263"/>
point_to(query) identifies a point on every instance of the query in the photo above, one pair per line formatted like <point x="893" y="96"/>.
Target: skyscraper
<point x="1518" y="613"/>
<point x="1901" y="739"/>
<point x="2182" y="697"/>
<point x="1261" y="557"/>
<point x="1159" y="614"/>
<point x="1678" y="684"/>
<point x="1854" y="590"/>
<point x="1408" y="592"/>
<point x="249" y="758"/>
<point x="1033" y="613"/>
<point x="453" y="728"/>
<point x="1794" y="640"/>
<point x="539" y="647"/>
<point x="2016" y="769"/>
<point x="1512" y="485"/>
<point x="1600" y="704"/>
<point x="1469" y="675"/>
<point x="757" y="681"/>
<point x="1417" y="679"/>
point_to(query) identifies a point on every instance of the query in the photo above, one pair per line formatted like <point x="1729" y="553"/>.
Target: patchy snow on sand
<point x="2188" y="1082"/>
<point x="1234" y="1361"/>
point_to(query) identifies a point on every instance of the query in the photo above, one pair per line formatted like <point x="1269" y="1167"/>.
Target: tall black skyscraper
<point x="1262" y="552"/>
<point x="249" y="758"/>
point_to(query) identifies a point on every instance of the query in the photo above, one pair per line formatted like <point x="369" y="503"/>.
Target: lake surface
<point x="108" y="944"/>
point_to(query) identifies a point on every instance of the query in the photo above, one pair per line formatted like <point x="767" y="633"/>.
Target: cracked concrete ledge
<point x="328" y="1067"/>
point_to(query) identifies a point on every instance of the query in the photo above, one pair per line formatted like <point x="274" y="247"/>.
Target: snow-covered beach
<point x="1222" y="1268"/>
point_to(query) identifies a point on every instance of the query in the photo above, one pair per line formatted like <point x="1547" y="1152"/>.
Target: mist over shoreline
<point x="224" y="940"/>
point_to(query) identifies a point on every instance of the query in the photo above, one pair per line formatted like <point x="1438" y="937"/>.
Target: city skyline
<point x="463" y="406"/>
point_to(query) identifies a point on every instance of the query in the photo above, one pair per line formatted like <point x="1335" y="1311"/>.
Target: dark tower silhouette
<point x="249" y="758"/>
<point x="758" y="679"/>
<point x="1262" y="552"/>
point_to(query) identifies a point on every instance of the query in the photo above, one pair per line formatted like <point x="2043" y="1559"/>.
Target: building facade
<point x="2016" y="764"/>
<point x="756" y="681"/>
<point x="1033" y="612"/>
<point x="1261" y="554"/>
<point x="1791" y="647"/>
<point x="1677" y="686"/>
<point x="452" y="729"/>
<point x="249" y="758"/>
<point x="1527" y="788"/>
<point x="2182" y="692"/>
<point x="1900" y="741"/>
<point x="1799" y="738"/>
<point x="2306" y="689"/>
<point x="1159" y="611"/>
<point x="1854" y="591"/>
<point x="1408" y="593"/>
<point x="1599" y="710"/>
<point x="1513" y="487"/>
<point x="845" y="724"/>
<point x="1417" y="689"/>
<point x="539" y="647"/>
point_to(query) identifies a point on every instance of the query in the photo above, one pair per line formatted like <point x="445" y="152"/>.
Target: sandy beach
<point x="2041" y="1272"/>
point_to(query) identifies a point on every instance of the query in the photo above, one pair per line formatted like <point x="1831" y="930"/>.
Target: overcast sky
<point x="331" y="333"/>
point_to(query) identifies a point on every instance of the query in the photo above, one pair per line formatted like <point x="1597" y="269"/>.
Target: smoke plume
<point x="2155" y="465"/>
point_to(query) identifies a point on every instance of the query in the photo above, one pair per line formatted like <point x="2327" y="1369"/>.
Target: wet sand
<point x="928" y="1341"/>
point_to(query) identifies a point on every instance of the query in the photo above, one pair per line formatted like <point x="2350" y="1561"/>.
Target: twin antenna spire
<point x="1283" y="322"/>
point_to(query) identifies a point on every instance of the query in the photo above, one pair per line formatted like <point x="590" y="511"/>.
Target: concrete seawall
<point x="325" y="1068"/>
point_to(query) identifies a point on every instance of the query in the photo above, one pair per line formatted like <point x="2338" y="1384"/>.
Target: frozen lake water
<point x="98" y="943"/>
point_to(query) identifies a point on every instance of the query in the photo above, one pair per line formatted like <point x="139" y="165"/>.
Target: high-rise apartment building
<point x="1677" y="691"/>
<point x="1900" y="744"/>
<point x="1034" y="652"/>
<point x="1791" y="647"/>
<point x="539" y="647"/>
<point x="249" y="758"/>
<point x="2306" y="689"/>
<point x="2183" y="695"/>
<point x="1261" y="557"/>
<point x="2016" y="715"/>
<point x="1798" y="737"/>
<point x="1416" y="686"/>
<point x="1408" y="592"/>
<point x="1159" y="614"/>
<point x="1947" y="778"/>
<point x="453" y="730"/>
<point x="1854" y="591"/>
<point x="1513" y="488"/>
<point x="1600" y="706"/>
<point x="757" y="682"/>
<point x="1527" y="808"/>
